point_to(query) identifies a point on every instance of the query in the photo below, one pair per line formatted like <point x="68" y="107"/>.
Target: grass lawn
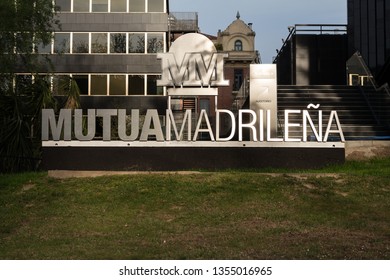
<point x="342" y="212"/>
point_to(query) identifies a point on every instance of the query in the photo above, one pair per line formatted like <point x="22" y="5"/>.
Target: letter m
<point x="172" y="74"/>
<point x="64" y="124"/>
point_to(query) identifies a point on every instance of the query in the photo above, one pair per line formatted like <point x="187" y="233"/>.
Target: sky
<point x="270" y="18"/>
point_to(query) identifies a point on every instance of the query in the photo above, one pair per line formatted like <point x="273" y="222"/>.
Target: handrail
<point x="312" y="28"/>
<point x="242" y="95"/>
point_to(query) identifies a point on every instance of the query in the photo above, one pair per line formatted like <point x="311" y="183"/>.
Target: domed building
<point x="238" y="41"/>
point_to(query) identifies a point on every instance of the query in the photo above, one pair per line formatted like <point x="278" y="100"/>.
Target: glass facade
<point x="100" y="6"/>
<point x="155" y="43"/>
<point x="98" y="85"/>
<point x="118" y="43"/>
<point x="113" y="43"/>
<point x="80" y="43"/>
<point x="137" y="6"/>
<point x="155" y="6"/>
<point x="80" y="5"/>
<point x="99" y="43"/>
<point x="62" y="43"/>
<point x="119" y="6"/>
<point x="117" y="85"/>
<point x="136" y="43"/>
<point x="114" y="6"/>
<point x="102" y="53"/>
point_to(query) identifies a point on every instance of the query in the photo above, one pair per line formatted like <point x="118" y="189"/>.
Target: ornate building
<point x="238" y="41"/>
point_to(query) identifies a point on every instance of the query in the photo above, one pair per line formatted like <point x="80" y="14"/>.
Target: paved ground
<point x="362" y="150"/>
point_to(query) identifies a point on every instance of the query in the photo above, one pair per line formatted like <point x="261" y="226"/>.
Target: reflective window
<point x="80" y="43"/>
<point x="23" y="84"/>
<point x="6" y="83"/>
<point x="61" y="84"/>
<point x="117" y="85"/>
<point x="98" y="84"/>
<point x="23" y="42"/>
<point x="156" y="6"/>
<point x="118" y="43"/>
<point x="82" y="83"/>
<point x="137" y="6"/>
<point x="155" y="43"/>
<point x="238" y="79"/>
<point x="136" y="43"/>
<point x="118" y="6"/>
<point x="99" y="43"/>
<point x="42" y="48"/>
<point x="63" y="5"/>
<point x="136" y="85"/>
<point x="153" y="89"/>
<point x="81" y="5"/>
<point x="238" y="45"/>
<point x="62" y="43"/>
<point x="100" y="5"/>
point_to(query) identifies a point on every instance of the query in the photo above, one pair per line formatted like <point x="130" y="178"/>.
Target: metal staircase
<point x="364" y="112"/>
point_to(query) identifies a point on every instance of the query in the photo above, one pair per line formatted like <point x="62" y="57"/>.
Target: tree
<point x="26" y="26"/>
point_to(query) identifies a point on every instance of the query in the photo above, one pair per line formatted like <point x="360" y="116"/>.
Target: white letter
<point x="269" y="139"/>
<point x="78" y="125"/>
<point x="122" y="125"/>
<point x="334" y="115"/>
<point x="287" y="125"/>
<point x="171" y="120"/>
<point x="250" y="125"/>
<point x="106" y="114"/>
<point x="203" y="114"/>
<point x="64" y="121"/>
<point x="306" y="117"/>
<point x="233" y="130"/>
<point x="152" y="116"/>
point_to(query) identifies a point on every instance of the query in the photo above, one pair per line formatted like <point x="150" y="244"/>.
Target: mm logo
<point x="192" y="61"/>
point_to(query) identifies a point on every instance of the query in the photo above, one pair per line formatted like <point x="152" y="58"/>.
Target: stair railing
<point x="368" y="97"/>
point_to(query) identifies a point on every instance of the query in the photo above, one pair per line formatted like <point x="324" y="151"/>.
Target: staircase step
<point x="356" y="117"/>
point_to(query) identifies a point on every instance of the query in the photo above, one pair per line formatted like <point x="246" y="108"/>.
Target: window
<point x="155" y="43"/>
<point x="99" y="43"/>
<point x="80" y="5"/>
<point x="82" y="83"/>
<point x="6" y="83"/>
<point x="98" y="84"/>
<point x="238" y="45"/>
<point x="62" y="43"/>
<point x="23" y="84"/>
<point x="61" y="84"/>
<point x="100" y="5"/>
<point x="136" y="85"/>
<point x="117" y="84"/>
<point x="118" y="43"/>
<point x="64" y="5"/>
<point x="153" y="89"/>
<point x="238" y="79"/>
<point x="156" y="6"/>
<point x="136" y="43"/>
<point x="42" y="48"/>
<point x="80" y="43"/>
<point x="137" y="6"/>
<point x="23" y="42"/>
<point x="118" y="6"/>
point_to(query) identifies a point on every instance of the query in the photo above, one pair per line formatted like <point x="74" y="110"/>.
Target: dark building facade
<point x="313" y="55"/>
<point x="369" y="33"/>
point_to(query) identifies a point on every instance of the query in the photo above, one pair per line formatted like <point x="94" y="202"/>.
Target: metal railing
<point x="241" y="96"/>
<point x="183" y="22"/>
<point x="314" y="29"/>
